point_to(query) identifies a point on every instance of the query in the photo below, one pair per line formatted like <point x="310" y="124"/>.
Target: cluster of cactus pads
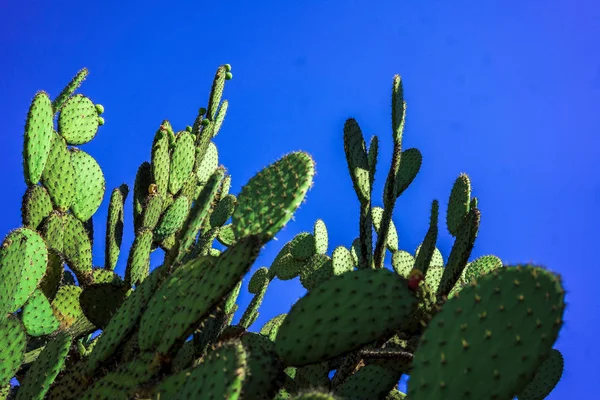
<point x="461" y="329"/>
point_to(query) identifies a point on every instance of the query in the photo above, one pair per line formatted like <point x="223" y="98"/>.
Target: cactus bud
<point x="202" y="111"/>
<point x="228" y="76"/>
<point x="100" y="121"/>
<point x="152" y="189"/>
<point x="205" y="122"/>
<point x="227" y="67"/>
<point x="188" y="128"/>
<point x="99" y="108"/>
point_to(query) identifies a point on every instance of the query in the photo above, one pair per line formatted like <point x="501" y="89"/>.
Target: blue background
<point x="506" y="91"/>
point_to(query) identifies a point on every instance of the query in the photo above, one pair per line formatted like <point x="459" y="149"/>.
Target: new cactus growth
<point x="460" y="329"/>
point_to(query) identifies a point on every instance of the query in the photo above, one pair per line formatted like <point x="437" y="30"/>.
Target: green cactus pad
<point x="481" y="266"/>
<point x="303" y="246"/>
<point x="410" y="164"/>
<point x="100" y="275"/>
<point x="314" y="395"/>
<point x="36" y="206"/>
<point x="461" y="250"/>
<point x="162" y="326"/>
<point x="358" y="163"/>
<point x="424" y="258"/>
<point x="251" y="313"/>
<point x="402" y="262"/>
<point x="342" y="260"/>
<point x="138" y="263"/>
<point x="59" y="175"/>
<point x="219" y="375"/>
<point x="13" y="341"/>
<point x="321" y="237"/>
<point x="77" y="249"/>
<point x="459" y="203"/>
<point x="220" y="117"/>
<point x="209" y="163"/>
<point x="433" y="277"/>
<point x="161" y="161"/>
<point x="172" y="219"/>
<point x="143" y="180"/>
<point x="316" y="270"/>
<point x="45" y="369"/>
<point x="78" y="120"/>
<point x="546" y="377"/>
<point x="153" y="208"/>
<point x="266" y="370"/>
<point x="37" y="316"/>
<point x="437" y="260"/>
<point x="124" y="321"/>
<point x="223" y="210"/>
<point x="114" y="226"/>
<point x="89" y="185"/>
<point x="182" y="161"/>
<point x="344" y="303"/>
<point x="38" y="137"/>
<point x="226" y="235"/>
<point x="68" y="91"/>
<point x="392" y="239"/>
<point x="23" y="262"/>
<point x="53" y="231"/>
<point x="67" y="310"/>
<point x="370" y="382"/>
<point x="285" y="266"/>
<point x="100" y="301"/>
<point x="271" y="328"/>
<point x="54" y="273"/>
<point x="488" y="341"/>
<point x="283" y="183"/>
<point x="372" y="157"/>
<point x="258" y="280"/>
<point x="216" y="92"/>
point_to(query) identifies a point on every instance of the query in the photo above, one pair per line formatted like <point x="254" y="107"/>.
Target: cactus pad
<point x="78" y="120"/>
<point x="38" y="137"/>
<point x="89" y="185"/>
<point x="38" y="318"/>
<point x="13" y="340"/>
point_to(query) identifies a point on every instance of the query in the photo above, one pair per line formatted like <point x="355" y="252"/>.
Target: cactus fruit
<point x="461" y="329"/>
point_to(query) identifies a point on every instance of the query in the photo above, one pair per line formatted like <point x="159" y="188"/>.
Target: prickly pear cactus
<point x="460" y="329"/>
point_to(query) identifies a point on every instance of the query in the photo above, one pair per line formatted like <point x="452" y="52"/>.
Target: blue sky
<point x="506" y="91"/>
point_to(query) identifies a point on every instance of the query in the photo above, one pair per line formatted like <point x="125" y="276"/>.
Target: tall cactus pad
<point x="410" y="164"/>
<point x="38" y="137"/>
<point x="114" y="226"/>
<point x="336" y="316"/>
<point x="182" y="161"/>
<point x="59" y="175"/>
<point x="78" y="120"/>
<point x="77" y="248"/>
<point x="458" y="205"/>
<point x="68" y="91"/>
<point x="23" y="261"/>
<point x="270" y="198"/>
<point x="488" y="341"/>
<point x="321" y="237"/>
<point x="37" y="205"/>
<point x="545" y="379"/>
<point x="45" y="369"/>
<point x="13" y="340"/>
<point x="358" y="162"/>
<point x="89" y="185"/>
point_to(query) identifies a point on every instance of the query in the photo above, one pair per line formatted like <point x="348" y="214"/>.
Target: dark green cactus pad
<point x="251" y="313"/>
<point x="219" y="375"/>
<point x="358" y="162"/>
<point x="182" y="161"/>
<point x="271" y="328"/>
<point x="316" y="270"/>
<point x="342" y="260"/>
<point x="372" y="157"/>
<point x="68" y="91"/>
<point x="370" y="382"/>
<point x="68" y="312"/>
<point x="143" y="180"/>
<point x="424" y="258"/>
<point x="100" y="301"/>
<point x="395" y="394"/>
<point x="114" y="226"/>
<point x="392" y="238"/>
<point x="124" y="321"/>
<point x="345" y="302"/>
<point x="488" y="342"/>
<point x="23" y="262"/>
<point x="59" y="175"/>
<point x="153" y="208"/>
<point x="283" y="183"/>
<point x="138" y="263"/>
<point x="223" y="210"/>
<point x="313" y="376"/>
<point x="38" y="137"/>
<point x="36" y="206"/>
<point x="173" y="218"/>
<point x="266" y="374"/>
<point x="77" y="249"/>
<point x="437" y="260"/>
<point x="89" y="185"/>
<point x="259" y="279"/>
<point x="402" y="262"/>
<point x="196" y="287"/>
<point x="189" y="188"/>
<point x="303" y="246"/>
<point x="13" y="341"/>
<point x="46" y="368"/>
<point x="161" y="161"/>
<point x="70" y="384"/>
<point x="37" y="316"/>
<point x="54" y="273"/>
<point x="481" y="266"/>
<point x="461" y="250"/>
<point x="220" y="117"/>
<point x="410" y="164"/>
<point x="209" y="163"/>
<point x="321" y="237"/>
<point x="285" y="266"/>
<point x="314" y="395"/>
<point x="78" y="120"/>
<point x="545" y="379"/>
<point x="459" y="203"/>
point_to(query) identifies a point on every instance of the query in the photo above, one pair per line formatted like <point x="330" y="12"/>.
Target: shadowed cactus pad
<point x="336" y="316"/>
<point x="13" y="340"/>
